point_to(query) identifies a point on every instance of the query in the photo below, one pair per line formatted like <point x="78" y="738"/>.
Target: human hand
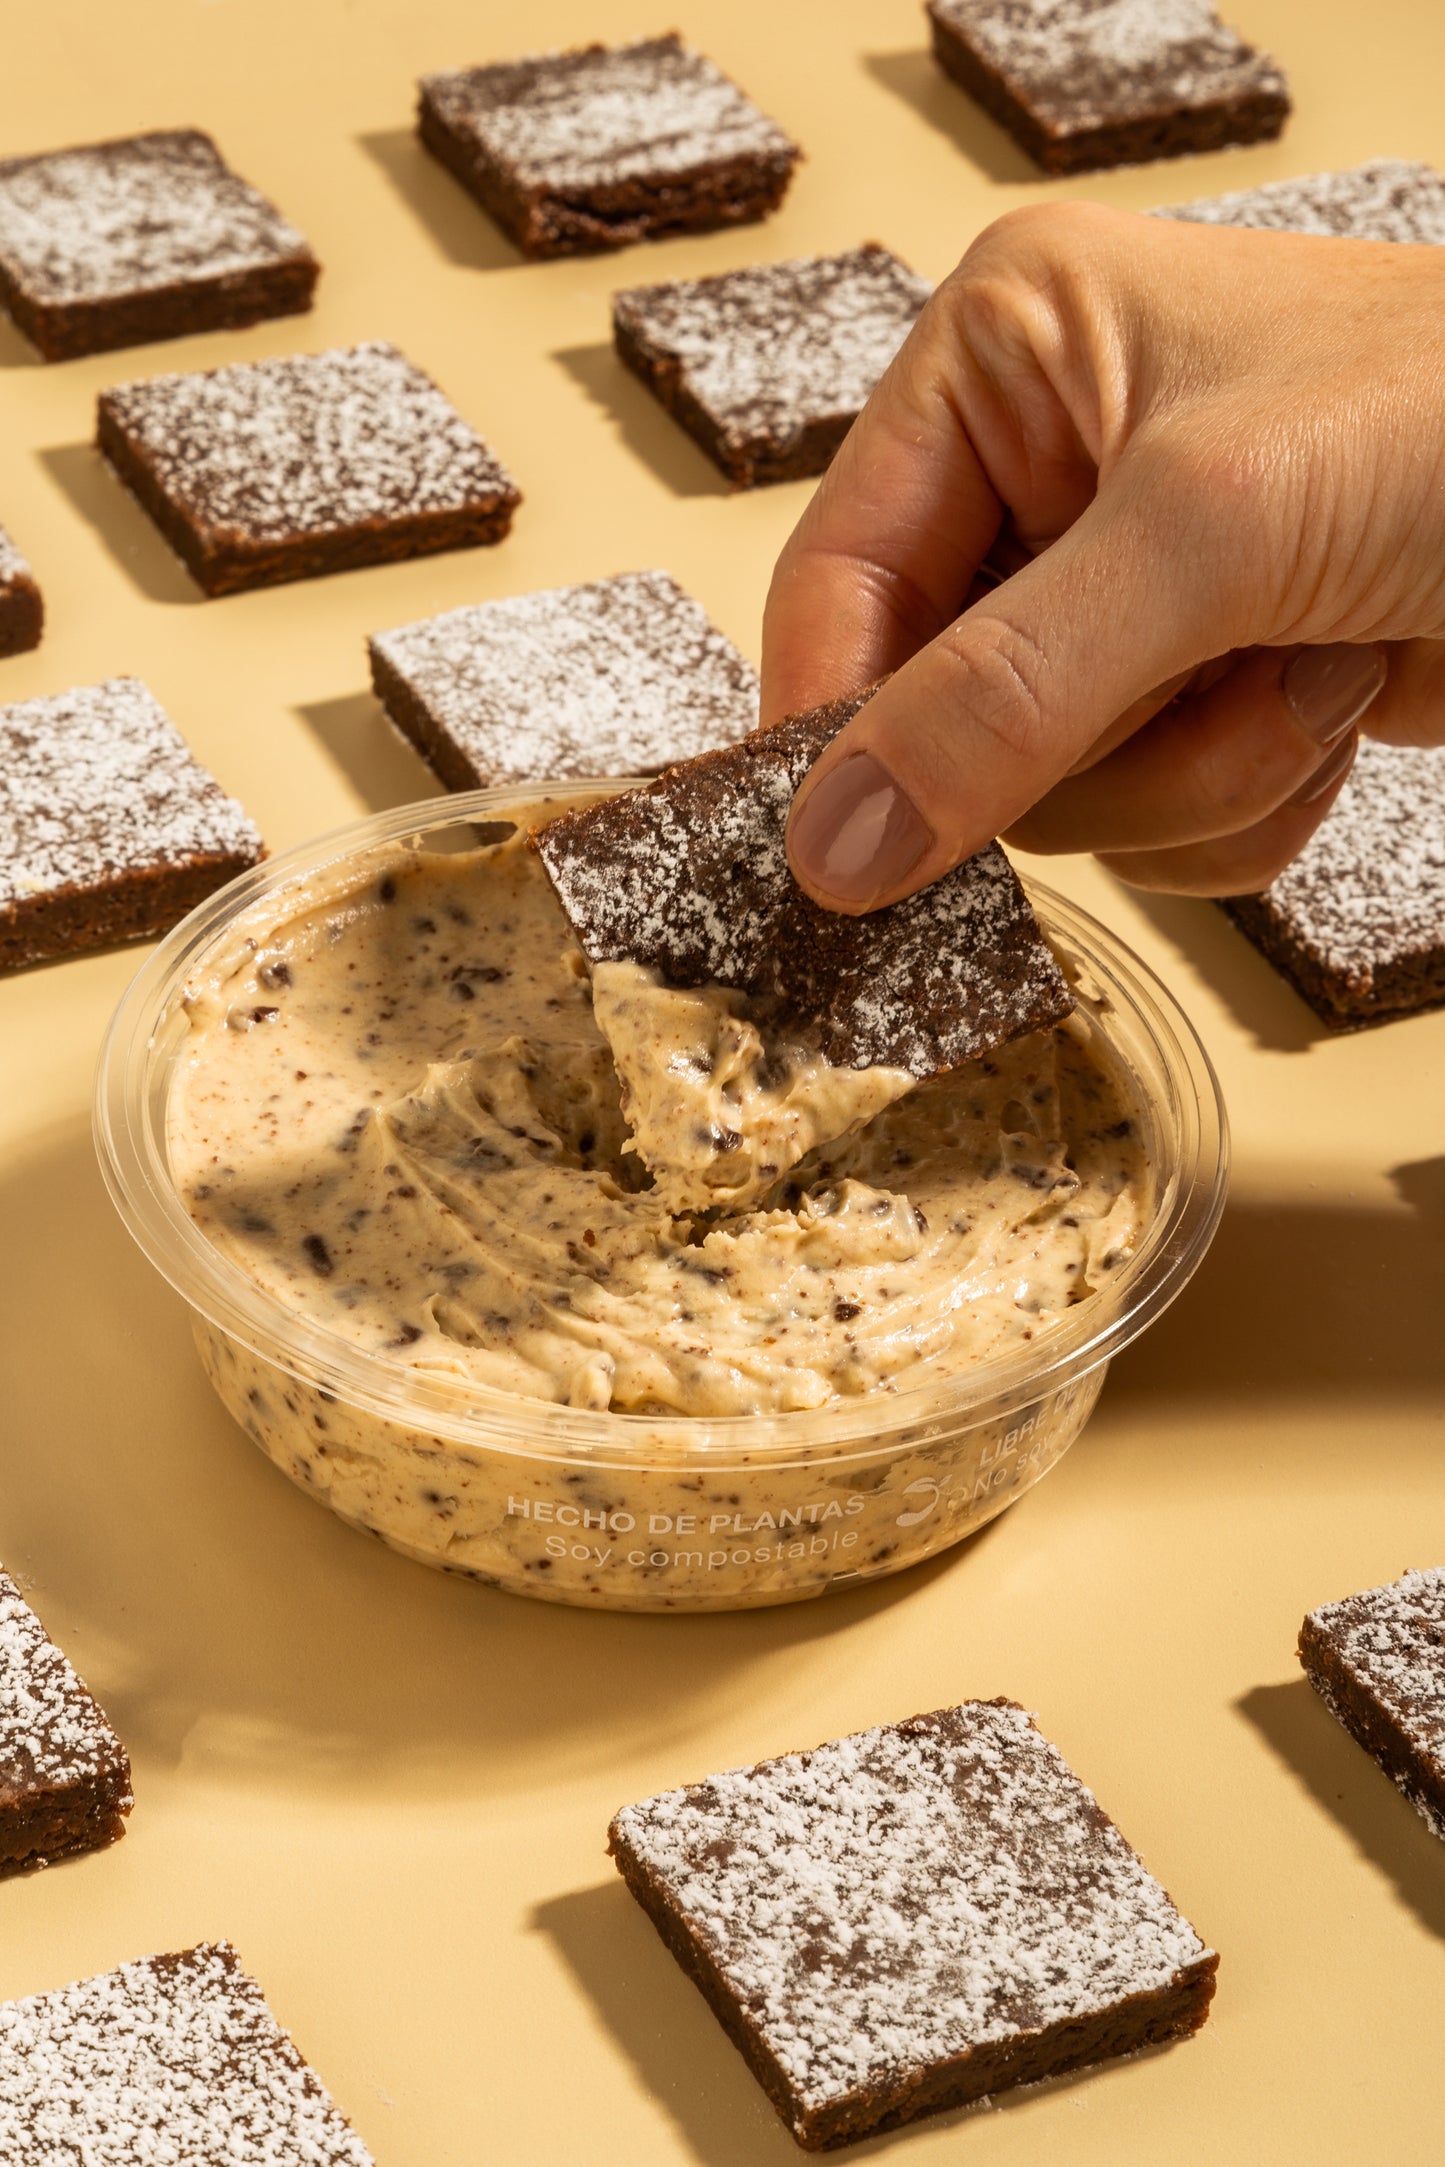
<point x="1210" y="465"/>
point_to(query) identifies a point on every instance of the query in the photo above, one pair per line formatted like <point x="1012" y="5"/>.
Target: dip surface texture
<point x="396" y="1112"/>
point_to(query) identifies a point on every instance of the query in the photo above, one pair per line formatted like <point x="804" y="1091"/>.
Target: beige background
<point x="391" y="1790"/>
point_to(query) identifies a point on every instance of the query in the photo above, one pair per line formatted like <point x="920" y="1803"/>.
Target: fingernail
<point x="1328" y="773"/>
<point x="1330" y="687"/>
<point x="856" y="835"/>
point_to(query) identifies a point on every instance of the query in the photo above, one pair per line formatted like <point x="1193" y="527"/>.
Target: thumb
<point x="970" y="733"/>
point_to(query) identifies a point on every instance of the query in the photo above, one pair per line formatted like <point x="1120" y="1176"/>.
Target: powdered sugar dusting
<point x="13" y="565"/>
<point x="170" y="2061"/>
<point x="691" y="879"/>
<point x="51" y="1731"/>
<point x="98" y="783"/>
<point x="1386" y="199"/>
<point x="1082" y="64"/>
<point x="133" y="215"/>
<point x="307" y="444"/>
<point x="900" y="1896"/>
<point x="767" y="350"/>
<point x="585" y="119"/>
<point x="617" y="677"/>
<point x="1394" y="1639"/>
<point x="1368" y="889"/>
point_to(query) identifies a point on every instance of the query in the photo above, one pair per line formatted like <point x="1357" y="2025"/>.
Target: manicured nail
<point x="856" y="835"/>
<point x="1328" y="773"/>
<point x="1330" y="687"/>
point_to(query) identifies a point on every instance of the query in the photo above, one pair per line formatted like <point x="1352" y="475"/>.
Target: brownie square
<point x="64" y="1775"/>
<point x="580" y="151"/>
<point x="22" y="612"/>
<point x="912" y="1918"/>
<point x="1357" y="922"/>
<point x="1083" y="84"/>
<point x="148" y="237"/>
<point x="275" y="470"/>
<point x="1377" y="1661"/>
<point x="1386" y="199"/>
<point x="170" y="2059"/>
<point x="110" y="828"/>
<point x="690" y="878"/>
<point x="768" y="367"/>
<point x="618" y="677"/>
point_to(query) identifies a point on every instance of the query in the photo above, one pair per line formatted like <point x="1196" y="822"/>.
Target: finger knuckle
<point x="1004" y="685"/>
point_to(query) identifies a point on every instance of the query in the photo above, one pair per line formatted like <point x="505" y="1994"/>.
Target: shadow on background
<point x="1296" y="1298"/>
<point x="918" y="80"/>
<point x="643" y="423"/>
<point x="15" y="351"/>
<point x="223" y="1617"/>
<point x="1251" y="989"/>
<point x="463" y="232"/>
<point x="137" y="545"/>
<point x="374" y="757"/>
<point x="681" y="2054"/>
<point x="1340" y="1775"/>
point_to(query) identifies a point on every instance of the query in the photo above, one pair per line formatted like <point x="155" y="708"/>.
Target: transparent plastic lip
<point x="1178" y="1099"/>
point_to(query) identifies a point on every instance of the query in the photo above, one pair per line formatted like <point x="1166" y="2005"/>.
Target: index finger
<point x="883" y="557"/>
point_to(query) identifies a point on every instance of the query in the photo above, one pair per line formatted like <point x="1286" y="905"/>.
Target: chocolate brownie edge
<point x="1255" y="117"/>
<point x="221" y="563"/>
<point x="231" y="301"/>
<point x="411" y="716"/>
<point x="1410" y="985"/>
<point x="749" y="464"/>
<point x="508" y="205"/>
<point x="1174" y="2010"/>
<point x="136" y="906"/>
<point x="22" y="614"/>
<point x="696" y="1962"/>
<point x="1418" y="1775"/>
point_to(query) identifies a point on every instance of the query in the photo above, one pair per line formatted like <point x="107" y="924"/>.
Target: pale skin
<point x="1148" y="521"/>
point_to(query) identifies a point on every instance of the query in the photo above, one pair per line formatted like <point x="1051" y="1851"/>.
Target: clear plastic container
<point x="646" y="1512"/>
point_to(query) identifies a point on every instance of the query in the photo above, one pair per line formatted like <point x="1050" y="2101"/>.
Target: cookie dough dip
<point x="360" y="1110"/>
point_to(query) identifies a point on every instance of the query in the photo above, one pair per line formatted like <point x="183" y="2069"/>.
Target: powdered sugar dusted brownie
<point x="274" y="470"/>
<point x="690" y="878"/>
<point x="619" y="677"/>
<point x="768" y="367"/>
<point x="1081" y="84"/>
<point x="1387" y="199"/>
<point x="22" y="613"/>
<point x="110" y="828"/>
<point x="168" y="2059"/>
<point x="593" y="149"/>
<point x="149" y="237"/>
<point x="911" y="1918"/>
<point x="64" y="1775"/>
<point x="1357" y="922"/>
<point x="1377" y="1661"/>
